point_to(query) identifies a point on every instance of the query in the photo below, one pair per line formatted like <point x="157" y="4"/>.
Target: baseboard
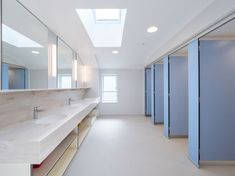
<point x="122" y="115"/>
<point x="193" y="162"/>
<point x="158" y="123"/>
<point x="217" y="163"/>
<point x="178" y="136"/>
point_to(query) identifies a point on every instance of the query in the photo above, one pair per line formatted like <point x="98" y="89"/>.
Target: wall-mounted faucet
<point x="35" y="112"/>
<point x="70" y="100"/>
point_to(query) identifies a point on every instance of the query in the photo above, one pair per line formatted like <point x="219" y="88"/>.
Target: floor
<point x="132" y="146"/>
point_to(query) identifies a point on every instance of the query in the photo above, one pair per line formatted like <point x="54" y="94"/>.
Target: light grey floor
<point x="132" y="146"/>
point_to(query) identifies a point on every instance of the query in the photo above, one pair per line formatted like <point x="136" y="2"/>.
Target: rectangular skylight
<point x="107" y="15"/>
<point x="17" y="39"/>
<point x="104" y="26"/>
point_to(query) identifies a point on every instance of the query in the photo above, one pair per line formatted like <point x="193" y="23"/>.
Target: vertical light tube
<point x="84" y="74"/>
<point x="75" y="69"/>
<point x="53" y="60"/>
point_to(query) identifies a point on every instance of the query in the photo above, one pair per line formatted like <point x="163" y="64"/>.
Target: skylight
<point x="104" y="26"/>
<point x="107" y="15"/>
<point x="17" y="39"/>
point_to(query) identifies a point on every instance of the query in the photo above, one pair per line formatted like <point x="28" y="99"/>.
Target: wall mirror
<point x="24" y="48"/>
<point x="65" y="65"/>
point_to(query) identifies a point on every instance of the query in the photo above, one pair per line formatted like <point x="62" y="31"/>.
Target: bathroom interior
<point x="93" y="88"/>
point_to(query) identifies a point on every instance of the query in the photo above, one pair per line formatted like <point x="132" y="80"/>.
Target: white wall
<point x="93" y="82"/>
<point x="130" y="84"/>
<point x="92" y="75"/>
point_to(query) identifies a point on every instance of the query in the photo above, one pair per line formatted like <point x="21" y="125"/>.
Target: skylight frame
<point x="103" y="34"/>
<point x="107" y="19"/>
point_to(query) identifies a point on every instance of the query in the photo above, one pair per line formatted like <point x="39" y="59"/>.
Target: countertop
<point x="33" y="140"/>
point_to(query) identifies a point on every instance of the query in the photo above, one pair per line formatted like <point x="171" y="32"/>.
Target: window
<point x="109" y="89"/>
<point x="64" y="81"/>
<point x="107" y="15"/>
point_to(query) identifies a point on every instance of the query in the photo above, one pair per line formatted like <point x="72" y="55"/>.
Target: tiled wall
<point x="17" y="106"/>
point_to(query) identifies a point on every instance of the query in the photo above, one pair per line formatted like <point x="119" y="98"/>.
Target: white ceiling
<point x="177" y="21"/>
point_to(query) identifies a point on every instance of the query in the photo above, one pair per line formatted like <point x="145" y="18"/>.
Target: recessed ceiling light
<point x="115" y="52"/>
<point x="152" y="29"/>
<point x="35" y="52"/>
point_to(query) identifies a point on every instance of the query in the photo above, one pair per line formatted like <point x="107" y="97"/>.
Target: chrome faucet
<point x="70" y="100"/>
<point x="35" y="112"/>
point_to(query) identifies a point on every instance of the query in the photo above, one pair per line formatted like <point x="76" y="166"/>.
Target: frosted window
<point x="109" y="89"/>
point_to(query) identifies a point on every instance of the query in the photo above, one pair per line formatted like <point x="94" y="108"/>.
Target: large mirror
<point x="24" y="48"/>
<point x="65" y="65"/>
<point x="28" y="60"/>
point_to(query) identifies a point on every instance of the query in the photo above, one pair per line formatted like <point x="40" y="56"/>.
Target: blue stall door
<point x="166" y="95"/>
<point x="158" y="96"/>
<point x="217" y="100"/>
<point x="148" y="90"/>
<point x="17" y="78"/>
<point x="178" y="95"/>
<point x="5" y="76"/>
<point x="193" y="101"/>
<point x="153" y="110"/>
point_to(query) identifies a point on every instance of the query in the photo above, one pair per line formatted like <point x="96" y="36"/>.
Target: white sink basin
<point x="49" y="120"/>
<point x="33" y="140"/>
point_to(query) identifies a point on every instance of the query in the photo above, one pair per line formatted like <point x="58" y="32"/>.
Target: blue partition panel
<point x="166" y="95"/>
<point x="217" y="102"/>
<point x="148" y="92"/>
<point x="178" y="95"/>
<point x="193" y="101"/>
<point x="157" y="93"/>
<point x="5" y="76"/>
<point x="26" y="78"/>
<point x="159" y="116"/>
<point x="153" y="93"/>
<point x="17" y="78"/>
